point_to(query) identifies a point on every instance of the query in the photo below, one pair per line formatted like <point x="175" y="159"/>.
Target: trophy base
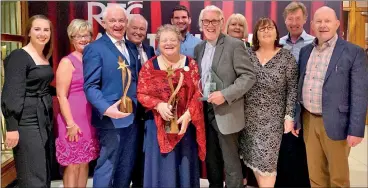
<point x="203" y="98"/>
<point x="171" y="127"/>
<point x="128" y="105"/>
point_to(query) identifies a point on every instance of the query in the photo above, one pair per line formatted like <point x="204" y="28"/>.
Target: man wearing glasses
<point x="223" y="62"/>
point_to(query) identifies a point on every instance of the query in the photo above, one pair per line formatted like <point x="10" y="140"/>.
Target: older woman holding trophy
<point x="175" y="132"/>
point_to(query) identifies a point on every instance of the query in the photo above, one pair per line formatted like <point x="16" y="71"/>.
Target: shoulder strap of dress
<point x="73" y="59"/>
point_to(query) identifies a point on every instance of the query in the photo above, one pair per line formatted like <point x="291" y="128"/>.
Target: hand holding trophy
<point x="208" y="86"/>
<point x="126" y="104"/>
<point x="172" y="125"/>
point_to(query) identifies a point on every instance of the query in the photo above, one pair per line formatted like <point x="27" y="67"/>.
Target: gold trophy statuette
<point x="126" y="104"/>
<point x="172" y="126"/>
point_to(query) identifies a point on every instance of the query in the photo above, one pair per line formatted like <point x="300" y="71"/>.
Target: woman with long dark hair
<point x="27" y="105"/>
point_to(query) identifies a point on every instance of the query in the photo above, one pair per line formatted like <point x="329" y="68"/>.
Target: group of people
<point x="238" y="106"/>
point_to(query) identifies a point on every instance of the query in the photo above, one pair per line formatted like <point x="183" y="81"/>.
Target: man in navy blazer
<point x="116" y="131"/>
<point x="332" y="101"/>
<point x="135" y="35"/>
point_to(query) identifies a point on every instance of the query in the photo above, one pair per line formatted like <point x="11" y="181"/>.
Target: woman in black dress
<point x="27" y="105"/>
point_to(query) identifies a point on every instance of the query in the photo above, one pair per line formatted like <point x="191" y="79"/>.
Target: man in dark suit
<point x="225" y="60"/>
<point x="135" y="35"/>
<point x="117" y="132"/>
<point x="332" y="101"/>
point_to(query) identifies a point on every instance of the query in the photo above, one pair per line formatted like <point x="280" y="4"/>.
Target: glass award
<point x="208" y="86"/>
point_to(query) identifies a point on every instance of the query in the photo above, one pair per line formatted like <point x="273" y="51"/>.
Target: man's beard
<point x="184" y="31"/>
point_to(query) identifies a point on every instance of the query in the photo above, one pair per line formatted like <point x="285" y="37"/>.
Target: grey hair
<point x="111" y="7"/>
<point x="137" y="16"/>
<point x="168" y="27"/>
<point x="241" y="19"/>
<point x="210" y="8"/>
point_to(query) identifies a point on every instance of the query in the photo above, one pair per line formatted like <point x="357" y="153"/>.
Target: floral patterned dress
<point x="266" y="104"/>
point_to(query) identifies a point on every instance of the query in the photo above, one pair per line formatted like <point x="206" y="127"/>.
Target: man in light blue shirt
<point x="292" y="166"/>
<point x="181" y="18"/>
<point x="295" y="15"/>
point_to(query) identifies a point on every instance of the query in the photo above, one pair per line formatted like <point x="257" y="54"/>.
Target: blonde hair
<point x="294" y="6"/>
<point x="210" y="8"/>
<point x="78" y="25"/>
<point x="240" y="18"/>
<point x="168" y="27"/>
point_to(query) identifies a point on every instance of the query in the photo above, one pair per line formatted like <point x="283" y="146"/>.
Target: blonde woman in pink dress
<point x="76" y="144"/>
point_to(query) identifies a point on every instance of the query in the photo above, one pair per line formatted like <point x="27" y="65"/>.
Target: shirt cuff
<point x="11" y="123"/>
<point x="287" y="117"/>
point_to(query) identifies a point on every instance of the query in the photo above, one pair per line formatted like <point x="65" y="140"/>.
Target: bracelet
<point x="68" y="127"/>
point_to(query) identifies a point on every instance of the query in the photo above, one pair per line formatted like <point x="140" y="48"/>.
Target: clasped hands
<point x="165" y="111"/>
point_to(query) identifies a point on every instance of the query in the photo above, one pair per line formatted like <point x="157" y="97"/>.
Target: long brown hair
<point x="47" y="51"/>
<point x="263" y="22"/>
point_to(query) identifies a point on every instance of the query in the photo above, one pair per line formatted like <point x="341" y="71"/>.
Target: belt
<point x="313" y="114"/>
<point x="43" y="113"/>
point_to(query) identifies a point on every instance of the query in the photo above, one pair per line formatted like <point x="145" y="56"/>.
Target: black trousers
<point x="138" y="171"/>
<point x="222" y="154"/>
<point x="292" y="167"/>
<point x="32" y="158"/>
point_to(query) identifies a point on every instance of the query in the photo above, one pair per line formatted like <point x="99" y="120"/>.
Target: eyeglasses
<point x="79" y="37"/>
<point x="269" y="28"/>
<point x="214" y="22"/>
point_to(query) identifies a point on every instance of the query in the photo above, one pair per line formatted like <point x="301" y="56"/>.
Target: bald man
<point x="332" y="101"/>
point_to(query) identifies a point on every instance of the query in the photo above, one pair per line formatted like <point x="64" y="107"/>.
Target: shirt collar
<point x="186" y="36"/>
<point x="212" y="44"/>
<point x="329" y="43"/>
<point x="303" y="36"/>
<point x="113" y="40"/>
<point x="138" y="45"/>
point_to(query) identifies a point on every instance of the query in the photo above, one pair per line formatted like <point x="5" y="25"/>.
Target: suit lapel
<point x="218" y="52"/>
<point x="304" y="60"/>
<point x="302" y="69"/>
<point x="200" y="55"/>
<point x="336" y="54"/>
<point x="147" y="50"/>
<point x="112" y="47"/>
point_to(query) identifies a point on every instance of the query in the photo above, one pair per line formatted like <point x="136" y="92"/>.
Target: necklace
<point x="170" y="68"/>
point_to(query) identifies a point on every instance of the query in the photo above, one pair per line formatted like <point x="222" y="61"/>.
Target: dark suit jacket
<point x="140" y="115"/>
<point x="344" y="92"/>
<point x="103" y="82"/>
<point x="147" y="48"/>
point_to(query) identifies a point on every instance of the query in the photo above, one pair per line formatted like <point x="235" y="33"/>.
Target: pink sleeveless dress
<point x="87" y="148"/>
